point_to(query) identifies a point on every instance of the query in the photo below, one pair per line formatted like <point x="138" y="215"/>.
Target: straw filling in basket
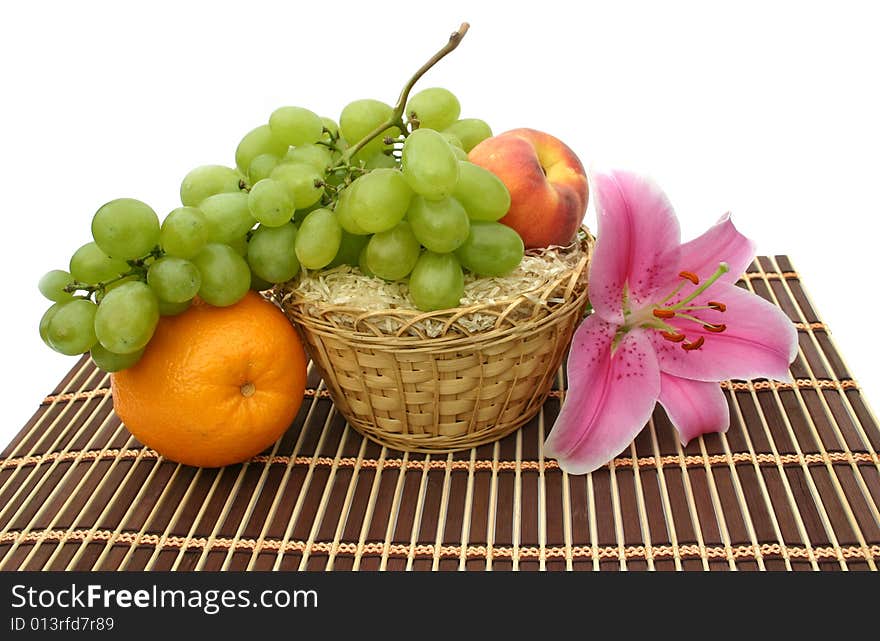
<point x="352" y="293"/>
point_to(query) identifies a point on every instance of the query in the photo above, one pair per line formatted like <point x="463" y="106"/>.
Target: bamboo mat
<point x="794" y="485"/>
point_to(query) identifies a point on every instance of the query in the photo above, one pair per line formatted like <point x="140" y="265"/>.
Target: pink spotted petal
<point x="638" y="243"/>
<point x="610" y="396"/>
<point x="759" y="342"/>
<point x="720" y="243"/>
<point x="693" y="407"/>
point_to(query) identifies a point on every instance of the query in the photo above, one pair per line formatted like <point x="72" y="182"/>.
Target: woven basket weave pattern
<point x="451" y="391"/>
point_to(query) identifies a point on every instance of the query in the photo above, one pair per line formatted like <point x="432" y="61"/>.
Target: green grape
<point x="456" y="145"/>
<point x="296" y="126"/>
<point x="239" y="245"/>
<point x="452" y="139"/>
<point x="380" y="160"/>
<point x="392" y="254"/>
<point x="300" y="214"/>
<point x="300" y="180"/>
<point x="440" y="225"/>
<point x="362" y="263"/>
<point x="71" y="329"/>
<point x="228" y="215"/>
<point x="109" y="287"/>
<point x="471" y="131"/>
<point x="360" y="118"/>
<point x="256" y="142"/>
<point x="261" y="167"/>
<point x="184" y="232"/>
<point x="344" y="211"/>
<point x="270" y="203"/>
<point x="330" y="127"/>
<point x="481" y="192"/>
<point x="436" y="282"/>
<point x="175" y="280"/>
<point x="226" y="276"/>
<point x="112" y="362"/>
<point x="52" y="285"/>
<point x="379" y="200"/>
<point x="127" y="317"/>
<point x="208" y="180"/>
<point x="318" y="239"/>
<point x="435" y="108"/>
<point x="318" y="156"/>
<point x="258" y="284"/>
<point x="271" y="254"/>
<point x="491" y="249"/>
<point x="126" y="228"/>
<point x="350" y="248"/>
<point x="173" y="309"/>
<point x="45" y="320"/>
<point x="429" y="164"/>
<point x="90" y="265"/>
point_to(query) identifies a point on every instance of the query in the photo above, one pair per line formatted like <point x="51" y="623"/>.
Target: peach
<point x="547" y="184"/>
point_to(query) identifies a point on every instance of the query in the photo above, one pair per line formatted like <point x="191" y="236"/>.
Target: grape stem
<point x="396" y="117"/>
<point x="76" y="286"/>
<point x="137" y="268"/>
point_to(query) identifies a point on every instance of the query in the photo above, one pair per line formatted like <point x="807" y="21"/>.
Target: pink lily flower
<point x="668" y="323"/>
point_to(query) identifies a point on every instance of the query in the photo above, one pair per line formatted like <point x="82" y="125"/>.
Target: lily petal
<point x="694" y="407"/>
<point x="638" y="243"/>
<point x="610" y="398"/>
<point x="759" y="340"/>
<point x="720" y="243"/>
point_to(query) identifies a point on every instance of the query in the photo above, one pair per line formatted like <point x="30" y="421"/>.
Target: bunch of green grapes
<point x="422" y="212"/>
<point x="403" y="202"/>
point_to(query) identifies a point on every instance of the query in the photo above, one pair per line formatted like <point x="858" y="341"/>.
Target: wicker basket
<point x="453" y="390"/>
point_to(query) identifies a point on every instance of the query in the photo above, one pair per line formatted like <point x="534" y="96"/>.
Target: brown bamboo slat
<point x="793" y="485"/>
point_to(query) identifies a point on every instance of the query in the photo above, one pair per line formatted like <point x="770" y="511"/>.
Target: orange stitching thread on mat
<point x="802" y="383"/>
<point x="691" y="460"/>
<point x="104" y="391"/>
<point x="810" y="326"/>
<point x="76" y="396"/>
<point x="447" y="551"/>
<point x="761" y="386"/>
<point x="93" y="455"/>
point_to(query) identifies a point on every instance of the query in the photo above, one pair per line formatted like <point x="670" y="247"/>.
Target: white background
<point x="768" y="109"/>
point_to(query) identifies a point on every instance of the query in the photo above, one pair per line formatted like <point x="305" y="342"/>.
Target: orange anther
<point x="691" y="276"/>
<point x="675" y="337"/>
<point x="664" y="313"/>
<point x="697" y="344"/>
<point x="718" y="307"/>
<point x="720" y="327"/>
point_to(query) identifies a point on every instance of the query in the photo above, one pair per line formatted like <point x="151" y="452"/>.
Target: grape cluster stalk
<point x="387" y="190"/>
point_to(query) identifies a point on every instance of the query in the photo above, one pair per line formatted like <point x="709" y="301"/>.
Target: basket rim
<point x="292" y="302"/>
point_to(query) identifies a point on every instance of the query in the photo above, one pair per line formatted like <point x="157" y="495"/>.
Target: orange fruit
<point x="216" y="385"/>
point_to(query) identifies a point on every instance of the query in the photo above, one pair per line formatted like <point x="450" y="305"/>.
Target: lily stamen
<point x="664" y="313"/>
<point x="673" y="337"/>
<point x="715" y="328"/>
<point x="696" y="344"/>
<point x="723" y="268"/>
<point x="718" y="307"/>
<point x="691" y="276"/>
